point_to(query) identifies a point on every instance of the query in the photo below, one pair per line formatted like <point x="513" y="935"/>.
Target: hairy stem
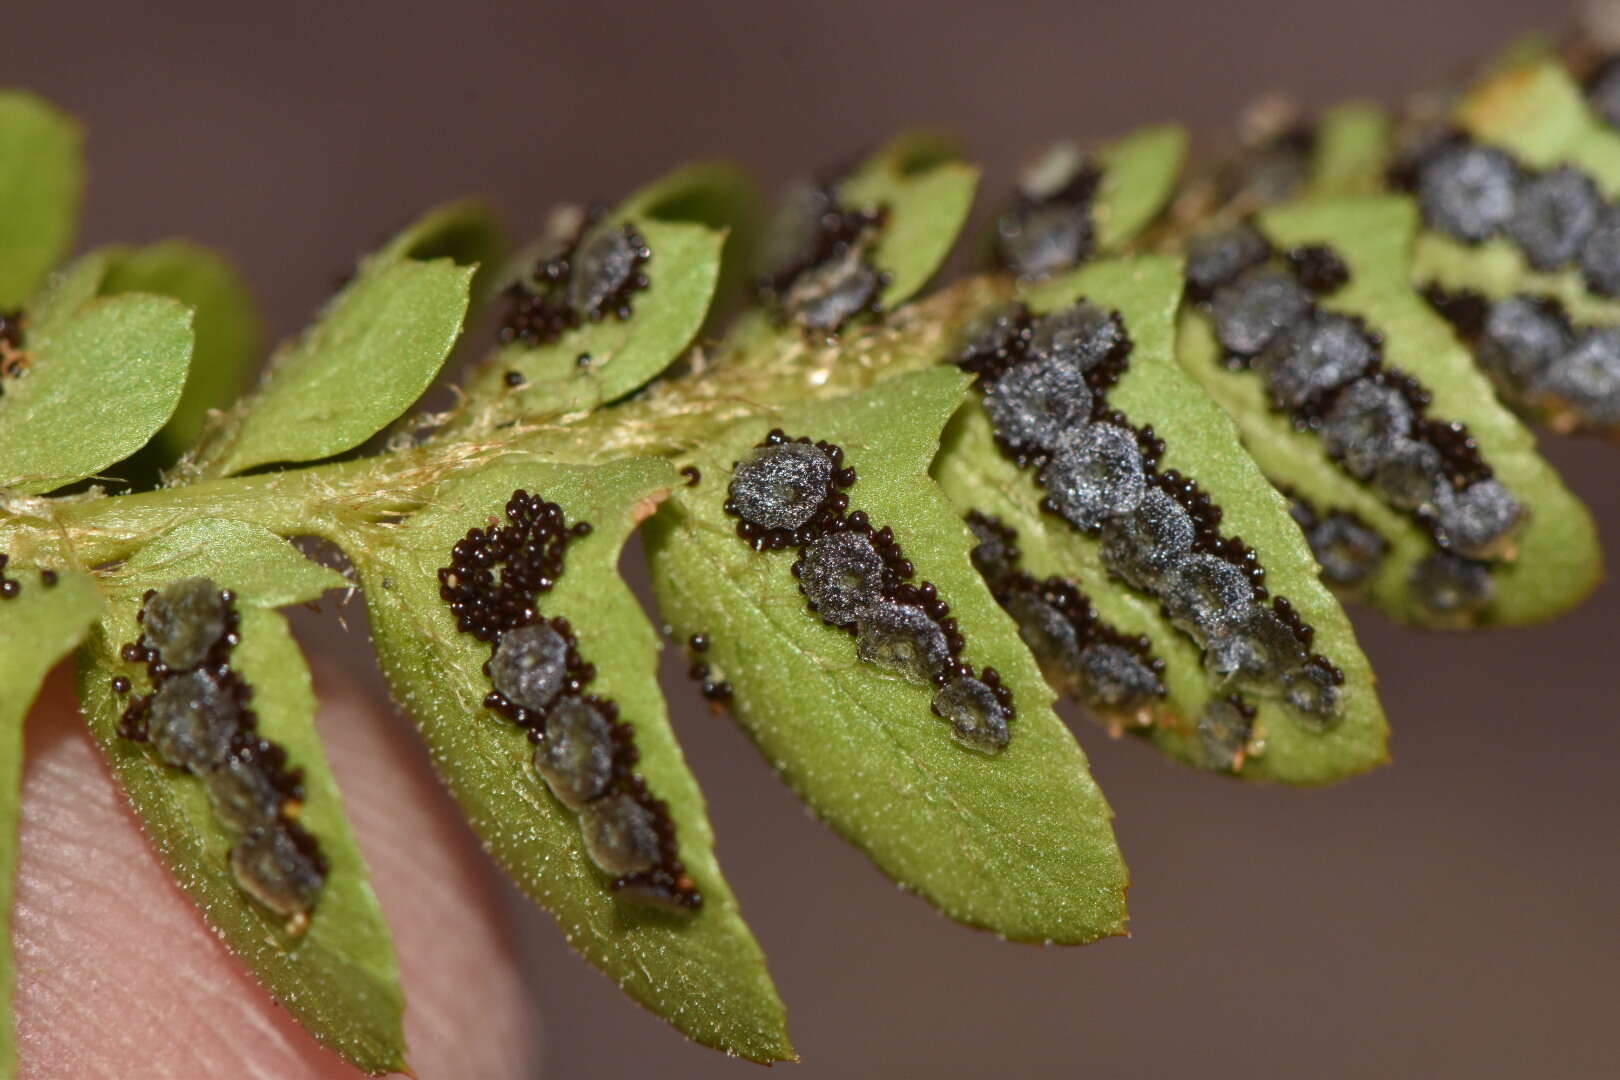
<point x="759" y="369"/>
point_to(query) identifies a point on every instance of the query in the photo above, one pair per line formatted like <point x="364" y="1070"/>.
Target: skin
<point x="119" y="976"/>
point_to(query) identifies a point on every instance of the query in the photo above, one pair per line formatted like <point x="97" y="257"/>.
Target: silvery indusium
<point x="1138" y="461"/>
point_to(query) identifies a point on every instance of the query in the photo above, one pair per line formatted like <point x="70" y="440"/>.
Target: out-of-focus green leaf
<point x="927" y="191"/>
<point x="1202" y="444"/>
<point x="339" y="978"/>
<point x="1497" y="269"/>
<point x="1020" y="843"/>
<point x="227" y="330"/>
<point x="1139" y="173"/>
<point x="1536" y="112"/>
<point x="67" y="290"/>
<point x="622" y="354"/>
<point x="41" y="183"/>
<point x="1558" y="560"/>
<point x="375" y="348"/>
<point x="701" y="971"/>
<point x="38" y="627"/>
<point x="98" y="384"/>
<point x="1351" y="151"/>
<point x="1528" y="48"/>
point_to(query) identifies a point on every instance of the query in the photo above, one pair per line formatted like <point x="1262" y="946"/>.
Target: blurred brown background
<point x="1451" y="916"/>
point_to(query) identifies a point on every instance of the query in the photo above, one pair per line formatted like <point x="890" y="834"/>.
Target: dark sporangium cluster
<point x="1347" y="549"/>
<point x="1602" y="88"/>
<point x="1049" y="228"/>
<point x="1045" y="384"/>
<point x="700" y="671"/>
<point x="1473" y="192"/>
<point x="13" y="361"/>
<point x="1325" y="371"/>
<point x="855" y="576"/>
<point x="1530" y="348"/>
<point x="821" y="276"/>
<point x="10" y="587"/>
<point x="1116" y="674"/>
<point x="198" y="718"/>
<point x="594" y="274"/>
<point x="1558" y="220"/>
<point x="585" y="754"/>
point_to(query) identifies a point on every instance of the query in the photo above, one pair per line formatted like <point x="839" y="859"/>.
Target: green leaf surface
<point x="1139" y="176"/>
<point x="701" y="971"/>
<point x="226" y="326"/>
<point x="67" y="290"/>
<point x="1351" y="152"/>
<point x="715" y="194"/>
<point x="1558" y="561"/>
<point x="339" y="978"/>
<point x="41" y="184"/>
<point x="928" y="192"/>
<point x="1019" y="843"/>
<point x="375" y="348"/>
<point x="1497" y="269"/>
<point x="1536" y="112"/>
<point x="38" y="627"/>
<point x="99" y="383"/>
<point x="623" y="354"/>
<point x="1203" y="444"/>
<point x="465" y="232"/>
<point x="265" y="570"/>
